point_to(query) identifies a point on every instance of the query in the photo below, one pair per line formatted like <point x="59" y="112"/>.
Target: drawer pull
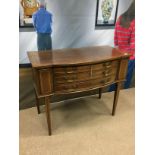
<point x="71" y="89"/>
<point x="69" y="72"/>
<point x="108" y="66"/>
<point x="106" y="74"/>
<point x="70" y="80"/>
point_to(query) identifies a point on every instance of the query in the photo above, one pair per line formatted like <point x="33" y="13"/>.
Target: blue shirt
<point x="42" y="21"/>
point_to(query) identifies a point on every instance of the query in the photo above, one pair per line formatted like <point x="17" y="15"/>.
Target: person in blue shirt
<point x="42" y="21"/>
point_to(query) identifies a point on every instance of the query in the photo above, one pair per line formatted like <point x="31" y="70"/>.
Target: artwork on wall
<point x="106" y="12"/>
<point x="26" y="9"/>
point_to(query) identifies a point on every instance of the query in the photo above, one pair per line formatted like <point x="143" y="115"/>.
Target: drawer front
<point x="104" y="72"/>
<point x="95" y="82"/>
<point x="105" y="65"/>
<point x="67" y="79"/>
<point x="71" y="74"/>
<point x="77" y="86"/>
<point x="71" y="70"/>
<point x="64" y="70"/>
<point x="83" y="76"/>
<point x="66" y="87"/>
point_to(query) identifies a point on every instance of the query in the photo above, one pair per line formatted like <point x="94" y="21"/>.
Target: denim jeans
<point x="44" y="41"/>
<point x="131" y="67"/>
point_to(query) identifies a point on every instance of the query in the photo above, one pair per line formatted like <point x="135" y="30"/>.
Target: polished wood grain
<point x="116" y="98"/>
<point x="75" y="56"/>
<point x="47" y="109"/>
<point x="100" y="92"/>
<point x="37" y="103"/>
<point x="66" y="71"/>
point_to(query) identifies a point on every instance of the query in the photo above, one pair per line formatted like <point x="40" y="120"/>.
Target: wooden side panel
<point x="36" y="79"/>
<point x="46" y="81"/>
<point x="123" y="69"/>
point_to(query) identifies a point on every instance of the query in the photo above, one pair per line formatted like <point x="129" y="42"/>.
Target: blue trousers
<point x="131" y="67"/>
<point x="44" y="41"/>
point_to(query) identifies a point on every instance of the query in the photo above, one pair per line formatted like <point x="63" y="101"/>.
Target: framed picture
<point x="26" y="9"/>
<point x="106" y="12"/>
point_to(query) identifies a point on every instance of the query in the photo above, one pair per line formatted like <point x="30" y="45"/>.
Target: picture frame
<point x="26" y="10"/>
<point x="106" y="13"/>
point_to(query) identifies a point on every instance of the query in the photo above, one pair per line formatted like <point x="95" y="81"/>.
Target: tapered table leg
<point x="37" y="103"/>
<point x="116" y="98"/>
<point x="47" y="109"/>
<point x="100" y="92"/>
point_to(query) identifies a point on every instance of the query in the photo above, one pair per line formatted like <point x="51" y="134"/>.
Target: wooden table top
<point x="74" y="56"/>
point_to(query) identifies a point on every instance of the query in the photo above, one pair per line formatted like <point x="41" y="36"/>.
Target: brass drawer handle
<point x="106" y="74"/>
<point x="108" y="66"/>
<point x="69" y="72"/>
<point x="70" y="80"/>
<point x="70" y="89"/>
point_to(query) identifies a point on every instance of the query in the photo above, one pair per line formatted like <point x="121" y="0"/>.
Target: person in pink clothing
<point x="124" y="39"/>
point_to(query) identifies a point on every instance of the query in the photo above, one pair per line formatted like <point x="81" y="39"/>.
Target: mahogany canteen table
<point x="63" y="71"/>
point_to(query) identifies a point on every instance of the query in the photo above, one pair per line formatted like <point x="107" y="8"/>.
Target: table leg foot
<point x="37" y="103"/>
<point x="115" y="98"/>
<point x="47" y="109"/>
<point x="100" y="93"/>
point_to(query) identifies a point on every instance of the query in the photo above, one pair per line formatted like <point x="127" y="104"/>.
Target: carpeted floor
<point x="82" y="126"/>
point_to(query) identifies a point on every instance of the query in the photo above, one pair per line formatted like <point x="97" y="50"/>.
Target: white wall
<point x="74" y="26"/>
